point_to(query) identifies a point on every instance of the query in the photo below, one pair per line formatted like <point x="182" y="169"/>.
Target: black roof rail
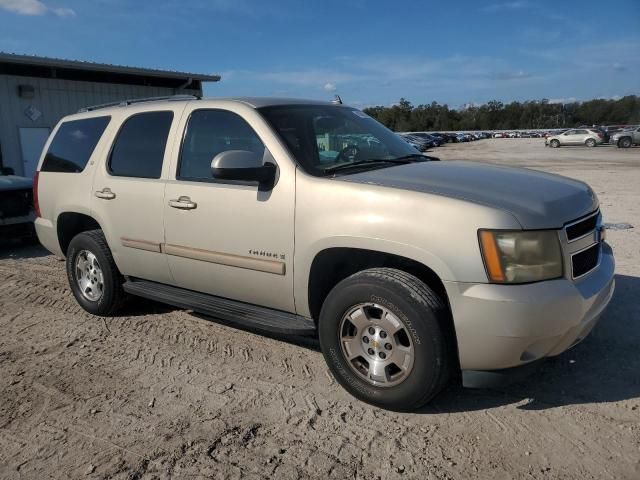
<point x="124" y="103"/>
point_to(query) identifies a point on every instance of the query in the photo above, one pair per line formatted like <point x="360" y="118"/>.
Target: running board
<point x="239" y="313"/>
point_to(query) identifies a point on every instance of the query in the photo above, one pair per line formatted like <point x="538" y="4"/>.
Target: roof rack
<point x="124" y="103"/>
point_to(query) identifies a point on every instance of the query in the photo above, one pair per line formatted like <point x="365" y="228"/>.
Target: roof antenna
<point x="336" y="100"/>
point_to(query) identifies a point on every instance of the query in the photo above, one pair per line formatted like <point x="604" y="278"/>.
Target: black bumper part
<point x="498" y="378"/>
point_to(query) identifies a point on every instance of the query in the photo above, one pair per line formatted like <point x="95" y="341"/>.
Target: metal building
<point x="35" y="92"/>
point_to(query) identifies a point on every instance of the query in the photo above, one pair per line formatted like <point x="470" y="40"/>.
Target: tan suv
<point x="311" y="218"/>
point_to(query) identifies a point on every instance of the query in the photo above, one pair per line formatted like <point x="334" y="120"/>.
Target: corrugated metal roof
<point x="101" y="67"/>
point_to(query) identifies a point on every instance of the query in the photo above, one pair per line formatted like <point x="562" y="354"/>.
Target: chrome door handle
<point x="105" y="194"/>
<point x="183" y="203"/>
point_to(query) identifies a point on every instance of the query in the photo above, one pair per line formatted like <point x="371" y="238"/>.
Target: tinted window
<point x="73" y="145"/>
<point x="139" y="148"/>
<point x="210" y="132"/>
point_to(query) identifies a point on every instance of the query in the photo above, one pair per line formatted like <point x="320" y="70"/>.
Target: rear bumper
<point x="48" y="235"/>
<point x="506" y="326"/>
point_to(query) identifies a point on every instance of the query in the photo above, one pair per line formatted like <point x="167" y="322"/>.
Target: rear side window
<point x="209" y="133"/>
<point x="138" y="150"/>
<point x="73" y="145"/>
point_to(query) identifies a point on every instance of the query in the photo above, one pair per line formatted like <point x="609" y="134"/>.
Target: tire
<point x="590" y="142"/>
<point x="385" y="296"/>
<point x="554" y="143"/>
<point x="83" y="249"/>
<point x="624" y="142"/>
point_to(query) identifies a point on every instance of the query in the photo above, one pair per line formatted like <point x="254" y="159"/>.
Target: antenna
<point x="336" y="100"/>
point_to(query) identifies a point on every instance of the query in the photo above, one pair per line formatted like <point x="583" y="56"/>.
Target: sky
<point x="368" y="52"/>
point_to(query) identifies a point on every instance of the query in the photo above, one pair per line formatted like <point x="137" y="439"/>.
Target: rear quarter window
<point x="73" y="145"/>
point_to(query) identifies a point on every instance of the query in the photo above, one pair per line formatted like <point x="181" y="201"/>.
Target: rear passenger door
<point x="128" y="190"/>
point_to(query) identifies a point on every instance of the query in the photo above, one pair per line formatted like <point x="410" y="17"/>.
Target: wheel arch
<point x="70" y="223"/>
<point x="334" y="264"/>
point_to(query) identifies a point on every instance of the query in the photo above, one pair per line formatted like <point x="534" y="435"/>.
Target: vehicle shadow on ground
<point x="22" y="249"/>
<point x="603" y="368"/>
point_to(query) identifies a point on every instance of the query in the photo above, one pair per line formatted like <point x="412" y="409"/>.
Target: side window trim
<point x="107" y="163"/>
<point x="180" y="178"/>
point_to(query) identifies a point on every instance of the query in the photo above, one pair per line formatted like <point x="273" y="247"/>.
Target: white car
<point x="578" y="136"/>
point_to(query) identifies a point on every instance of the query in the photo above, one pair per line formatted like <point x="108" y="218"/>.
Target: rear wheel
<point x="590" y="142"/>
<point x="554" y="143"/>
<point x="93" y="276"/>
<point x="624" y="142"/>
<point x="382" y="334"/>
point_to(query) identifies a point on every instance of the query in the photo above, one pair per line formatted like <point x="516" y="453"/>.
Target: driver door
<point x="228" y="238"/>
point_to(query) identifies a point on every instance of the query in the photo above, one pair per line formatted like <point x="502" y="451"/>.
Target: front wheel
<point x="624" y="142"/>
<point x="382" y="333"/>
<point x="93" y="276"/>
<point x="554" y="143"/>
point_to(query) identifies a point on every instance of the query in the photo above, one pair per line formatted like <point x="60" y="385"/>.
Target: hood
<point x="13" y="182"/>
<point x="538" y="200"/>
<point x="623" y="132"/>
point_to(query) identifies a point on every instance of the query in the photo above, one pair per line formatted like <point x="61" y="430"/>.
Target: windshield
<point x="323" y="137"/>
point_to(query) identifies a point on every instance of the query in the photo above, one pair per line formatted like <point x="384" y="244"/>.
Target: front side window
<point x="210" y="132"/>
<point x="323" y="137"/>
<point x="73" y="145"/>
<point x="138" y="150"/>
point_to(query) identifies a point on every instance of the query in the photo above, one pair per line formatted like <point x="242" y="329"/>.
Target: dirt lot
<point x="163" y="393"/>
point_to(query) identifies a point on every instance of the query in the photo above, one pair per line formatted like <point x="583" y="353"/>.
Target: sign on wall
<point x="33" y="113"/>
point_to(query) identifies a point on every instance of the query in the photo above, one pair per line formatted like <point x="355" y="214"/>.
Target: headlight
<point x="521" y="256"/>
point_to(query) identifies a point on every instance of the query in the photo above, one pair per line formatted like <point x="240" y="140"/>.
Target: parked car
<point x="406" y="269"/>
<point x="16" y="205"/>
<point x="440" y="137"/>
<point x="579" y="136"/>
<point x="432" y="140"/>
<point x="626" y="138"/>
<point x="416" y="142"/>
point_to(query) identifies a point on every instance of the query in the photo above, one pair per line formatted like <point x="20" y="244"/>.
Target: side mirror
<point x="244" y="166"/>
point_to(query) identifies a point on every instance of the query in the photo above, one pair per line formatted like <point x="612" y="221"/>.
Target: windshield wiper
<point x="375" y="162"/>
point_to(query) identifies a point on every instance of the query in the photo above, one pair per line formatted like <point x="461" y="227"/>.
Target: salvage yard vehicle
<point x="16" y="206"/>
<point x="408" y="270"/>
<point x="579" y="136"/>
<point x="420" y="144"/>
<point x="626" y="138"/>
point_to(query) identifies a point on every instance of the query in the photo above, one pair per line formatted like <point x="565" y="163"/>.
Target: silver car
<point x="579" y="136"/>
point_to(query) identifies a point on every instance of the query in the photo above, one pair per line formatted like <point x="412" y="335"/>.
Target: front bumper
<point x="505" y="326"/>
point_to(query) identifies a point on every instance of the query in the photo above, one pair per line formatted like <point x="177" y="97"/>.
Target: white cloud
<point x="519" y="75"/>
<point x="511" y="5"/>
<point x="329" y="87"/>
<point x="63" y="12"/>
<point x="563" y="100"/>
<point x="34" y="8"/>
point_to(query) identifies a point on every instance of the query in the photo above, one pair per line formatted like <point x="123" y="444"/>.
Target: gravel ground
<point x="163" y="393"/>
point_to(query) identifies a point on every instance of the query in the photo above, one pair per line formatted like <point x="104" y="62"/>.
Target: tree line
<point x="496" y="115"/>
